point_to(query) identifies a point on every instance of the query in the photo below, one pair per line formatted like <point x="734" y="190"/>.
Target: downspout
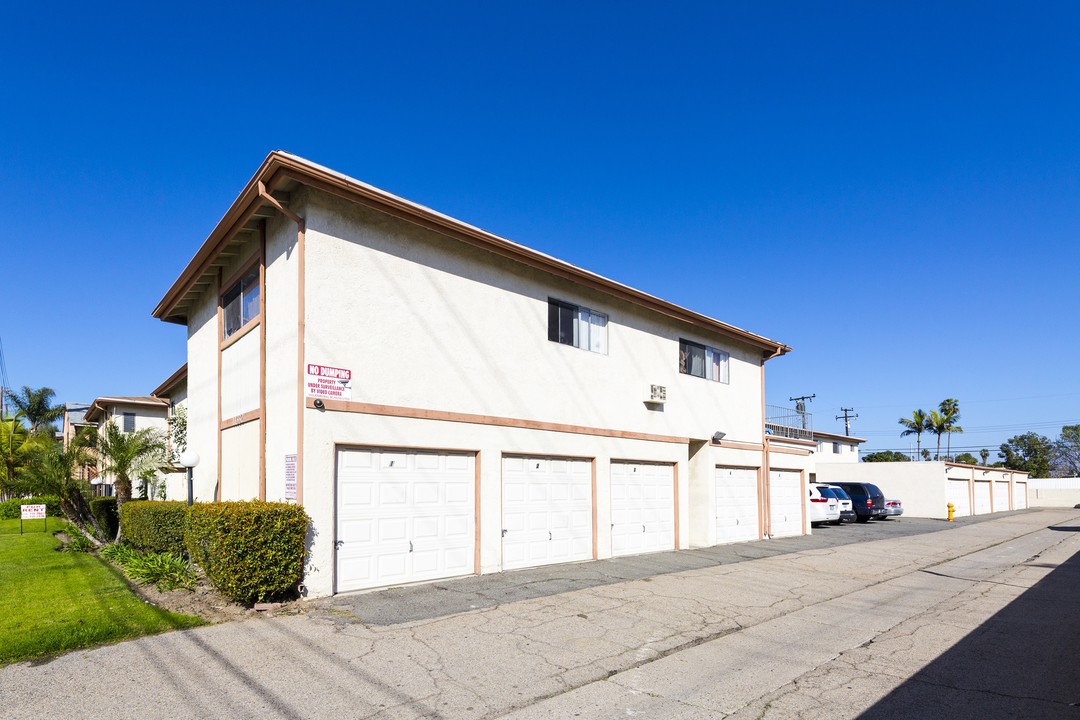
<point x="301" y="232"/>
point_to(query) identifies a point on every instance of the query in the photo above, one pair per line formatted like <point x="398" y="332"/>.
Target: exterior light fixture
<point x="189" y="459"/>
<point x="718" y="436"/>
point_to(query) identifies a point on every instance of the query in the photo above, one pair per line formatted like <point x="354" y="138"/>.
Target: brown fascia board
<point x="163" y="390"/>
<point x="280" y="165"/>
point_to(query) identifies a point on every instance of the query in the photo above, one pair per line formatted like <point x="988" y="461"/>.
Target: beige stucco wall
<point x="425" y="322"/>
<point x="919" y="486"/>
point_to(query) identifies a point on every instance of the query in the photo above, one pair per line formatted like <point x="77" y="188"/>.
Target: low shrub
<point x="77" y="542"/>
<point x="166" y="570"/>
<point x="153" y="525"/>
<point x="9" y="509"/>
<point x="104" y="511"/>
<point x="250" y="551"/>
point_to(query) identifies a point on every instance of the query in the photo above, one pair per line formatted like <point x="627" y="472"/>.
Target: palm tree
<point x="17" y="448"/>
<point x="915" y="425"/>
<point x="950" y="408"/>
<point x="36" y="405"/>
<point x="54" y="472"/>
<point x="128" y="455"/>
<point x="937" y="424"/>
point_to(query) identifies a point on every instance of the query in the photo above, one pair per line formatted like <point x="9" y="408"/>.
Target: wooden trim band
<point x="789" y="451"/>
<point x="247" y="417"/>
<point x="419" y="413"/>
<point x="738" y="445"/>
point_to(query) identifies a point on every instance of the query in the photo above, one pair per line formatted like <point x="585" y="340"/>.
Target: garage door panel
<point x="402" y="516"/>
<point x="544" y="516"/>
<point x="982" y="498"/>
<point x="642" y="507"/>
<point x="785" y="503"/>
<point x="736" y="504"/>
<point x="1001" y="496"/>
<point x="956" y="492"/>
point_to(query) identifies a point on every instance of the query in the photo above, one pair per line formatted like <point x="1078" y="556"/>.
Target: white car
<point x="823" y="508"/>
<point x="847" y="508"/>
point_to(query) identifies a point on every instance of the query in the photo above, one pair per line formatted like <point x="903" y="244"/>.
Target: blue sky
<point x="894" y="192"/>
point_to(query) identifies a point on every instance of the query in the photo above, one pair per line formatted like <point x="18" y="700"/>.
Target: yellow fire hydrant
<point x="952" y="509"/>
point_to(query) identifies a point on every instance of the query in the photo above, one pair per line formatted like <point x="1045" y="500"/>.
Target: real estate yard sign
<point x="331" y="383"/>
<point x="33" y="512"/>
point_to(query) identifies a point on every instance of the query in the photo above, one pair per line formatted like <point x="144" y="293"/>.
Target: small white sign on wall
<point x="290" y="477"/>
<point x="327" y="382"/>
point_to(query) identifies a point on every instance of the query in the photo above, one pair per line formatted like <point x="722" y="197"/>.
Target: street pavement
<point x="911" y="619"/>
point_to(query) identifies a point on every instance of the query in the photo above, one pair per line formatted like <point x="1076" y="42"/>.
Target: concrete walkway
<point x="982" y="618"/>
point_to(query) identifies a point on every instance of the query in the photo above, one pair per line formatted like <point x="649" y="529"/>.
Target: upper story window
<point x="703" y="361"/>
<point x="129" y="422"/>
<point x="240" y="304"/>
<point x="574" y="325"/>
<point x="836" y="448"/>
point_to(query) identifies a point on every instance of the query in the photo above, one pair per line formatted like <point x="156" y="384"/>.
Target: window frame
<point x="582" y="320"/>
<point x="714" y="361"/>
<point x="247" y="286"/>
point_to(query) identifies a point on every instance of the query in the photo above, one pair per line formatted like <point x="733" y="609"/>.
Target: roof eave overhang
<point x="279" y="167"/>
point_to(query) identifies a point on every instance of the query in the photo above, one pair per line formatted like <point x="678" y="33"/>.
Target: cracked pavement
<point x="976" y="620"/>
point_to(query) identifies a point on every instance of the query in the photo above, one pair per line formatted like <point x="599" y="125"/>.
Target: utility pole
<point x="849" y="415"/>
<point x="800" y="406"/>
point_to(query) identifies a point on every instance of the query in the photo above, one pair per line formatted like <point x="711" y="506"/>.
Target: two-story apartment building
<point x="444" y="401"/>
<point x="129" y="414"/>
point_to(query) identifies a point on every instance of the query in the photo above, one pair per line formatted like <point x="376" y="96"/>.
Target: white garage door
<point x="785" y="503"/>
<point x="547" y="511"/>
<point x="956" y="492"/>
<point x="982" y="498"/>
<point x="736" y="505"/>
<point x="1001" y="496"/>
<point x="642" y="508"/>
<point x="1020" y="497"/>
<point x="403" y="517"/>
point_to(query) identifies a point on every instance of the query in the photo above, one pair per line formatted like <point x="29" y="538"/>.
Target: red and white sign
<point x="327" y="382"/>
<point x="33" y="512"/>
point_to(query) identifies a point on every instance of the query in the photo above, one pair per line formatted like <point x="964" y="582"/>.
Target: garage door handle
<point x="338" y="544"/>
<point x="410" y="546"/>
<point x="504" y="532"/>
<point x="549" y="535"/>
<point x="642" y="528"/>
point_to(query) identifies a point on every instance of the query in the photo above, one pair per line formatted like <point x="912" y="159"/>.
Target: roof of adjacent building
<point x="76" y="412"/>
<point x="833" y="436"/>
<point x="166" y="388"/>
<point x="99" y="406"/>
<point x="281" y="171"/>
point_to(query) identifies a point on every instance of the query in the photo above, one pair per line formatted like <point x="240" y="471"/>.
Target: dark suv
<point x="866" y="498"/>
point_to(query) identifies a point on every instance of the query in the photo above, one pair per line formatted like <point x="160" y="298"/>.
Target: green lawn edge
<point x="55" y="602"/>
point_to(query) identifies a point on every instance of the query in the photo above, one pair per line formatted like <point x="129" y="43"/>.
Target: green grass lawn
<point x="54" y="601"/>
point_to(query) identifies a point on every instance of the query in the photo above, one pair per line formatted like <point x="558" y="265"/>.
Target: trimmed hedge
<point x="104" y="511"/>
<point x="251" y="551"/>
<point x="153" y="525"/>
<point x="9" y="509"/>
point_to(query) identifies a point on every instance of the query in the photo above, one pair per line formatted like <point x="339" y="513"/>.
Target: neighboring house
<point x="926" y="488"/>
<point x="129" y="414"/>
<point x="174" y="391"/>
<point x="74" y="422"/>
<point x="836" y="448"/>
<point x="444" y="401"/>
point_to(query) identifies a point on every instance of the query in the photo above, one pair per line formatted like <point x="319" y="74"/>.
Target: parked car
<point x="893" y="508"/>
<point x="847" y="512"/>
<point x="823" y="508"/>
<point x="866" y="498"/>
